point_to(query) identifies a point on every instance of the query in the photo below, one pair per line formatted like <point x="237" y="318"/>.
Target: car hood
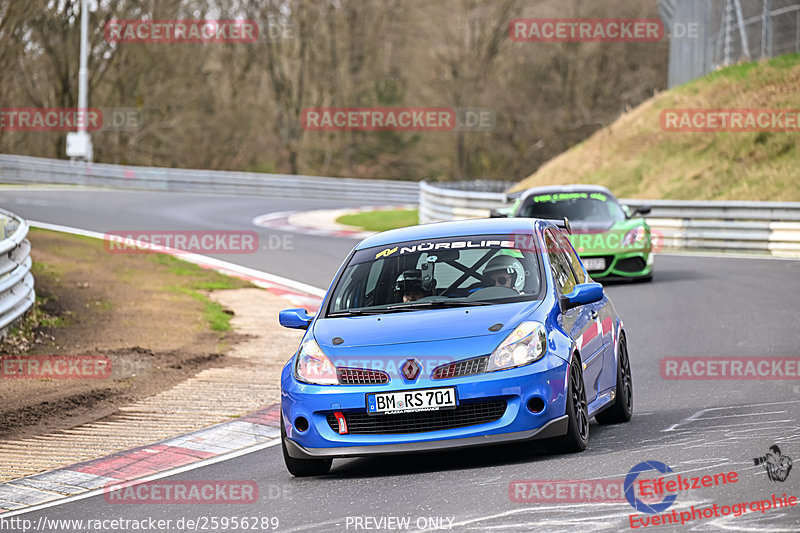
<point x="430" y="325"/>
<point x="592" y="227"/>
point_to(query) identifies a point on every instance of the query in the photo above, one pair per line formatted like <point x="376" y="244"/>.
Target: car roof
<point x="550" y="189"/>
<point x="456" y="228"/>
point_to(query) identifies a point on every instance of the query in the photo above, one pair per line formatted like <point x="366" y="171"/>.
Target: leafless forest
<point x="237" y="106"/>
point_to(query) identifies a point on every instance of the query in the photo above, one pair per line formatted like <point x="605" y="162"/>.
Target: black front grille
<point x="631" y="264"/>
<point x="467" y="367"/>
<point x="361" y="376"/>
<point x="468" y="414"/>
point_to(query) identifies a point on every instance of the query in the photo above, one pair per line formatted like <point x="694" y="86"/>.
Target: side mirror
<point x="641" y="210"/>
<point x="500" y="212"/>
<point x="295" y="318"/>
<point x="585" y="293"/>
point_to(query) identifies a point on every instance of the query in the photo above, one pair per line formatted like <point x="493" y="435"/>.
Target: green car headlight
<point x="634" y="237"/>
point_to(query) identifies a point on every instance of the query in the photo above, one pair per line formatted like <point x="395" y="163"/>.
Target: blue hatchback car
<point x="450" y="335"/>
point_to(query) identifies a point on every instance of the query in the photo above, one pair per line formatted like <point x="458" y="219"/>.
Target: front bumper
<point x="623" y="266"/>
<point x="545" y="380"/>
<point x="554" y="428"/>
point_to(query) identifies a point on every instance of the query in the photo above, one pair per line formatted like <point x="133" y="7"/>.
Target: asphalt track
<point x="696" y="306"/>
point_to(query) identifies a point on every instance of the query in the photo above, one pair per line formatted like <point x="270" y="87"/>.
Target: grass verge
<point x="381" y="220"/>
<point x="636" y="158"/>
<point x="195" y="279"/>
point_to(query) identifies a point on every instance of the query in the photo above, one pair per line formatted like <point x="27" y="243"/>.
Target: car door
<point x="603" y="315"/>
<point x="603" y="310"/>
<point x="578" y="321"/>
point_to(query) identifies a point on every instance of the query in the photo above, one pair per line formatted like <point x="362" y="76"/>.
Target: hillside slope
<point x="635" y="158"/>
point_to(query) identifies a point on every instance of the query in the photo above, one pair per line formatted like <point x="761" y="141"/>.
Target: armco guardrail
<point x="37" y="170"/>
<point x="16" y="281"/>
<point x="460" y="199"/>
<point x="748" y="227"/>
<point x="766" y="227"/>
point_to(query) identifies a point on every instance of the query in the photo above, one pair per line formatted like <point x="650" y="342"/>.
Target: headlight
<point x="634" y="236"/>
<point x="526" y="344"/>
<point x="313" y="366"/>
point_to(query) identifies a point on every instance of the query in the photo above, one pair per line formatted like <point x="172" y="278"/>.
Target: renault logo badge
<point x="410" y="370"/>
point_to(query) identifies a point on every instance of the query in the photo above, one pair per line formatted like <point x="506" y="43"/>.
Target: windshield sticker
<point x="428" y="246"/>
<point x="386" y="253"/>
<point x="454" y="245"/>
<point x="567" y="196"/>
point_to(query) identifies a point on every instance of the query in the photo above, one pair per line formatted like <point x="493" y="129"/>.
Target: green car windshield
<point x="446" y="272"/>
<point x="577" y="207"/>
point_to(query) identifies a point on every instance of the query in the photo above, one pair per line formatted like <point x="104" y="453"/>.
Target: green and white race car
<point x="613" y="241"/>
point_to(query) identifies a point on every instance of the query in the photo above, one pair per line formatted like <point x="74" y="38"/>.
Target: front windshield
<point x="448" y="272"/>
<point x="577" y="207"/>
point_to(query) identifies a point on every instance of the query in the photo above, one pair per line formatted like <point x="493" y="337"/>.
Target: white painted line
<point x="697" y="414"/>
<point x="260" y="219"/>
<point x="197" y="259"/>
<point x="159" y="475"/>
<point x="743" y="414"/>
<point x="563" y="510"/>
<point x="739" y="425"/>
<point x="323" y="221"/>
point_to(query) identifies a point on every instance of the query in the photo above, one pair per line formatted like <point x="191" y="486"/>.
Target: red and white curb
<point x="321" y="222"/>
<point x="246" y="434"/>
<point x="252" y="432"/>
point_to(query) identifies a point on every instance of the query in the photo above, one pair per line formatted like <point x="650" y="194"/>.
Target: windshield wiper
<point x="437" y="303"/>
<point x="356" y="312"/>
<point x="411" y="306"/>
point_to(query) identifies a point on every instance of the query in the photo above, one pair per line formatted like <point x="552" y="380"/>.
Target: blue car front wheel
<point x="303" y="467"/>
<point x="577" y="436"/>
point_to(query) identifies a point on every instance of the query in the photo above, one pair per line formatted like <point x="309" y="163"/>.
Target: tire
<point x="577" y="436"/>
<point x="622" y="410"/>
<point x="303" y="467"/>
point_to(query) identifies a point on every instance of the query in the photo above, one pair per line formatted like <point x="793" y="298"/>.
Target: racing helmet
<point x="409" y="281"/>
<point x="508" y="265"/>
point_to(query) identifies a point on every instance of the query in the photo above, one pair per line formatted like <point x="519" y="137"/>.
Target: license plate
<point x="410" y="401"/>
<point x="595" y="263"/>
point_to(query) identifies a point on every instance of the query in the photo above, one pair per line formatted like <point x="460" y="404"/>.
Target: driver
<point x="503" y="271"/>
<point x="409" y="286"/>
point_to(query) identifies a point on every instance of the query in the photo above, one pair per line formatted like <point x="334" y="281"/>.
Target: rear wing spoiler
<point x="562" y="223"/>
